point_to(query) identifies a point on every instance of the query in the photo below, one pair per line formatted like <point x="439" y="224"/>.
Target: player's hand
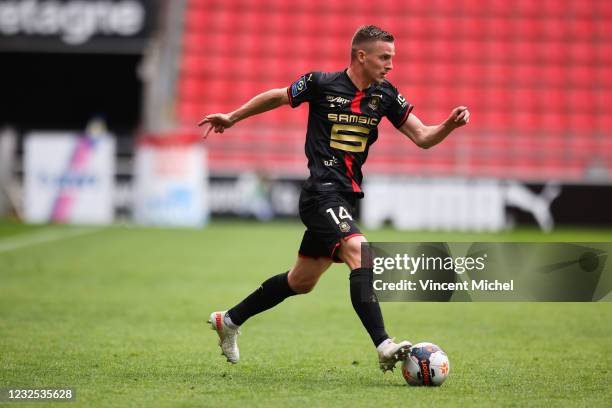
<point x="217" y="121"/>
<point x="459" y="116"/>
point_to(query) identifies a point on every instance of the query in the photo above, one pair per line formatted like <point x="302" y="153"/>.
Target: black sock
<point x="269" y="294"/>
<point x="366" y="304"/>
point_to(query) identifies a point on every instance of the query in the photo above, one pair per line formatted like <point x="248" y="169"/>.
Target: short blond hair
<point x="366" y="34"/>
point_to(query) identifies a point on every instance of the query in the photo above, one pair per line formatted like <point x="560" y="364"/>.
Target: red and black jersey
<point x="342" y="124"/>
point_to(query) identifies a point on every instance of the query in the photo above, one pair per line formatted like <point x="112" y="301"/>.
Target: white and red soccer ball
<point x="426" y="365"/>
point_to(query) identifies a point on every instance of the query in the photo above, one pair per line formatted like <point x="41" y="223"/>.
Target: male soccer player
<point x="345" y="110"/>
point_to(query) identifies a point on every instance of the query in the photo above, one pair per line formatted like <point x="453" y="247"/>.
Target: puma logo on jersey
<point x="336" y="99"/>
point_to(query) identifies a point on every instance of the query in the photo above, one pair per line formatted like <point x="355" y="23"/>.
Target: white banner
<point x="171" y="181"/>
<point x="69" y="179"/>
<point x="434" y="204"/>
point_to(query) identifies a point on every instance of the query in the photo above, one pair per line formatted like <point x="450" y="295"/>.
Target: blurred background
<point x="100" y="101"/>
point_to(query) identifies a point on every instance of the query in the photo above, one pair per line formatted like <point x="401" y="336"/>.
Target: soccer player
<point x="345" y="110"/>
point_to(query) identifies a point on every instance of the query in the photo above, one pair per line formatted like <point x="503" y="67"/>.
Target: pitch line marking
<point x="40" y="237"/>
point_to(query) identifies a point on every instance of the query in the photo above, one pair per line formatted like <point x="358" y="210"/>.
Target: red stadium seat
<point x="553" y="100"/>
<point x="526" y="121"/>
<point x="582" y="9"/>
<point x="447" y="26"/>
<point x="470" y="96"/>
<point x="555" y="29"/>
<point x="581" y="123"/>
<point x="496" y="121"/>
<point x="527" y="8"/>
<point x="581" y="29"/>
<point x="526" y="75"/>
<point x="581" y="53"/>
<point x="553" y="75"/>
<point x="553" y="52"/>
<point x="497" y="8"/>
<point x="603" y="29"/>
<point x="528" y="28"/>
<point x="496" y="74"/>
<point x="197" y="19"/>
<point x="604" y="52"/>
<point x="604" y="10"/>
<point x="497" y="27"/>
<point x="603" y="82"/>
<point x="604" y="149"/>
<point x="582" y="146"/>
<point x="472" y="74"/>
<point x="503" y="51"/>
<point x="580" y="76"/>
<point x="582" y="100"/>
<point x="190" y="89"/>
<point x="604" y="124"/>
<point x="498" y="99"/>
<point x="526" y="51"/>
<point x="554" y="123"/>
<point x="553" y="8"/>
<point x="525" y="99"/>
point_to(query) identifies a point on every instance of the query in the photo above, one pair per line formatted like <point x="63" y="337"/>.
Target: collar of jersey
<point x="365" y="91"/>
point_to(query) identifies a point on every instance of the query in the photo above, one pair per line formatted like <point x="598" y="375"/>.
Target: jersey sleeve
<point x="398" y="111"/>
<point x="303" y="90"/>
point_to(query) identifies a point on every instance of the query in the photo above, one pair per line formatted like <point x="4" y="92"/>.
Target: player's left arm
<point x="261" y="103"/>
<point x="427" y="136"/>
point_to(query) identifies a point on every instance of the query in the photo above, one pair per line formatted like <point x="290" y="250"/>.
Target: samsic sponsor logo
<point x="346" y="118"/>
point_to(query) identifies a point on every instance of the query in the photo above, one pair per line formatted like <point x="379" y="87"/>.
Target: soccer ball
<point x="426" y="364"/>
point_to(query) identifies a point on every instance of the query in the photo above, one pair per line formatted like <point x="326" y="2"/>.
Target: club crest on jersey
<point x="344" y="226"/>
<point x="374" y="102"/>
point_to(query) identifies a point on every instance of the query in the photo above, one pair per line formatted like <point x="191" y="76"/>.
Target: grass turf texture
<point x="119" y="315"/>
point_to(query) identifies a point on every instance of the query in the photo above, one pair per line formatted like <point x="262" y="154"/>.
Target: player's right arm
<point x="263" y="102"/>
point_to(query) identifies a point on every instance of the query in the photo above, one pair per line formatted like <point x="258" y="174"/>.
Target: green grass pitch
<point x="119" y="314"/>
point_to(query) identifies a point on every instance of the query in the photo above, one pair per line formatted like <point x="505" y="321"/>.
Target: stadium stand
<point x="536" y="76"/>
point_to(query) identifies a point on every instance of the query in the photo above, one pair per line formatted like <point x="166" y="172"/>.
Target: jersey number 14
<point x="342" y="214"/>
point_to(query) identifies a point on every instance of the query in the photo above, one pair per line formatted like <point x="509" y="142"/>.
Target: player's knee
<point x="304" y="276"/>
<point x="351" y="252"/>
<point x="301" y="284"/>
<point x="301" y="288"/>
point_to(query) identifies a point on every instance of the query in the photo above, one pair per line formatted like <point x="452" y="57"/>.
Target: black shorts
<point x="328" y="217"/>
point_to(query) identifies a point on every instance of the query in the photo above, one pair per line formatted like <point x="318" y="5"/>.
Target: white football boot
<point x="389" y="353"/>
<point x="227" y="336"/>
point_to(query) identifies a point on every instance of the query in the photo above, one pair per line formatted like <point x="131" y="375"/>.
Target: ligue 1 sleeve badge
<point x="298" y="87"/>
